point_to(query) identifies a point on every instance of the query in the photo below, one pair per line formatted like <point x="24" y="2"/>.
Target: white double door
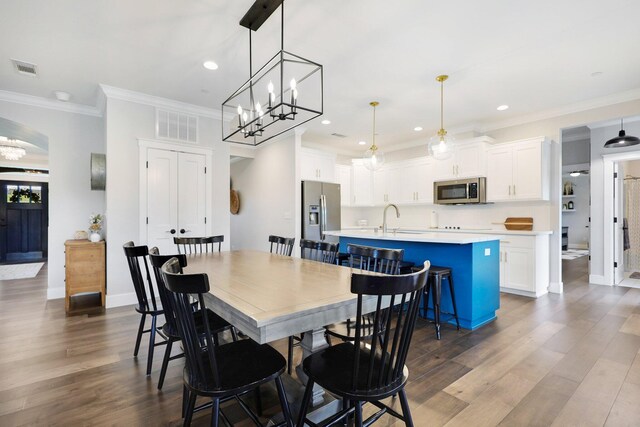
<point x="176" y="197"/>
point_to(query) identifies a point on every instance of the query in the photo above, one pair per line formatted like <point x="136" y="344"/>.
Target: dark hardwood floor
<point x="563" y="360"/>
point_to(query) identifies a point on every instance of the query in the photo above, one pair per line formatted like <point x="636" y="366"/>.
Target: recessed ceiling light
<point x="362" y="143"/>
<point x="503" y="107"/>
<point x="417" y="128"/>
<point x="326" y="122"/>
<point x="210" y="65"/>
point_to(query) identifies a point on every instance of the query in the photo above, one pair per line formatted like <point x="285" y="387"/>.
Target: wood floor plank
<point x="631" y="325"/>
<point x="595" y="396"/>
<point x="475" y="382"/>
<point x="633" y="376"/>
<point x="570" y="359"/>
<point x="543" y="403"/>
<point x="626" y="409"/>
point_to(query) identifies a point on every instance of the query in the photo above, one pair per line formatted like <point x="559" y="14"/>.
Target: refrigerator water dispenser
<point x="314" y="214"/>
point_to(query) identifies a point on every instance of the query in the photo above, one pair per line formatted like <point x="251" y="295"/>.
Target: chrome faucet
<point x="384" y="216"/>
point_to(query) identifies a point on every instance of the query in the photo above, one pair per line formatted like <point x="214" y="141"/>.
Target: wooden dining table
<point x="270" y="297"/>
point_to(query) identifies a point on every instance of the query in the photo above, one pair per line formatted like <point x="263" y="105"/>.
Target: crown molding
<point x="604" y="101"/>
<point x="37" y="101"/>
<point x="112" y="92"/>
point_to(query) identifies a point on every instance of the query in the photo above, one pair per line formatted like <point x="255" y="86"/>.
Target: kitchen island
<point x="473" y="258"/>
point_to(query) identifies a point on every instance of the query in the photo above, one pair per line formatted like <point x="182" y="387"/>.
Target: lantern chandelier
<point x="441" y="145"/>
<point x="284" y="93"/>
<point x="11" y="150"/>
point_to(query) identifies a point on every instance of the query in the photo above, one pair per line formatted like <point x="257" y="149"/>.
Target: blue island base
<point x="475" y="269"/>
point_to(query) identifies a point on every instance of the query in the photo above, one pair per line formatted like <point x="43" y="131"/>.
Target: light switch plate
<point x="487" y="251"/>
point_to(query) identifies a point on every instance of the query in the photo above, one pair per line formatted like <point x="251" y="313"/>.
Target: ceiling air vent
<point x="338" y="135"/>
<point x="25" y="68"/>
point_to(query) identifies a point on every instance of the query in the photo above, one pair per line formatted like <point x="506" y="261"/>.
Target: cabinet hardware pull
<point x="500" y="256"/>
<point x="514" y="189"/>
<point x="509" y="189"/>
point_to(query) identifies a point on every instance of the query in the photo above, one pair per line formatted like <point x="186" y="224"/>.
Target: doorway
<point x="24" y="218"/>
<point x="576" y="204"/>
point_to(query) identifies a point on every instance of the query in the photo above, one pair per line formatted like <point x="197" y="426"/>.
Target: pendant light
<point x="441" y="145"/>
<point x="373" y="157"/>
<point x="622" y="140"/>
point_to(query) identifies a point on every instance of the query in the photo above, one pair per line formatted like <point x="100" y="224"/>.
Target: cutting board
<point x="517" y="223"/>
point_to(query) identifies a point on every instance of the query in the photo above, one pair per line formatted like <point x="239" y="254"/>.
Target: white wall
<point x="268" y="191"/>
<point x="72" y="139"/>
<point x="126" y="122"/>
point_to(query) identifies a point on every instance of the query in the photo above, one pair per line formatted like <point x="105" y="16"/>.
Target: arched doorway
<point x="24" y="196"/>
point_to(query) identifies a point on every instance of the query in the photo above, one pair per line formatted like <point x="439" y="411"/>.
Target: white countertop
<point x="408" y="236"/>
<point x="463" y="231"/>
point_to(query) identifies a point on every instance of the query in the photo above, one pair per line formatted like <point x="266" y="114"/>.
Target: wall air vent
<point x="25" y="68"/>
<point x="338" y="135"/>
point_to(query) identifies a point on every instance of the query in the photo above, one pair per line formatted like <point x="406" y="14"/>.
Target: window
<point x="24" y="194"/>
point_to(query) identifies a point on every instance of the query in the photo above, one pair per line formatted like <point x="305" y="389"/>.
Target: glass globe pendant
<point x="441" y="145"/>
<point x="373" y="157"/>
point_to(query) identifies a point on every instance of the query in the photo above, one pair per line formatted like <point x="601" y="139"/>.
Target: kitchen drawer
<point x="528" y="242"/>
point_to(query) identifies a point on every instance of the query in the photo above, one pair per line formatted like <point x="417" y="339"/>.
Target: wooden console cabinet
<point x="84" y="269"/>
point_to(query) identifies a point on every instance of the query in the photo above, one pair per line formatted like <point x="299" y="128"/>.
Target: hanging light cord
<point x="441" y="79"/>
<point x="373" y="148"/>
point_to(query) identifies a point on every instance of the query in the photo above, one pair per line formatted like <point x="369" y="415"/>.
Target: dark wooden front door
<point x="24" y="219"/>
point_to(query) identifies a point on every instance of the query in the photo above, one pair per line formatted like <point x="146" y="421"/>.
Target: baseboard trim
<point x="121" y="299"/>
<point x="55" y="293"/>
<point x="597" y="279"/>
<point x="556" y="287"/>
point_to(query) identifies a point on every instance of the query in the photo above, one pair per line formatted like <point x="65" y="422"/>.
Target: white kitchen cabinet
<point x="361" y="184"/>
<point x="415" y="181"/>
<point x="518" y="171"/>
<point x="343" y="177"/>
<point x="524" y="265"/>
<point x="467" y="160"/>
<point x="382" y="185"/>
<point x="317" y="165"/>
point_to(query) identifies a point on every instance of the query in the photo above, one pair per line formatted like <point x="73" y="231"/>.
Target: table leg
<point x="312" y="342"/>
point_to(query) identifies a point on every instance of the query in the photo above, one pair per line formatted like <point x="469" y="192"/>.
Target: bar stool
<point x="406" y="267"/>
<point x="434" y="287"/>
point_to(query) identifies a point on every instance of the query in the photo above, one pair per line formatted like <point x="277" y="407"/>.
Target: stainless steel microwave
<point x="460" y="191"/>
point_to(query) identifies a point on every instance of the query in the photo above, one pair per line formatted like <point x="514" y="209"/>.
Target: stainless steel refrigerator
<point x="320" y="210"/>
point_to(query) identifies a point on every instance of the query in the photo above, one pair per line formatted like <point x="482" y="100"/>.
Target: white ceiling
<point x="534" y="56"/>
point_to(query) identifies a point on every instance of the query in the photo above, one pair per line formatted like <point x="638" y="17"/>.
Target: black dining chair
<point x="369" y="369"/>
<point x="281" y="245"/>
<point x="198" y="245"/>
<point x="319" y="250"/>
<point x="314" y="250"/>
<point x="147" y="306"/>
<point x="170" y="330"/>
<point x="366" y="258"/>
<point x="221" y="372"/>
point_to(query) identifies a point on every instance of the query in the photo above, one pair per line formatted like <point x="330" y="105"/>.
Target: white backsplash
<point x="466" y="216"/>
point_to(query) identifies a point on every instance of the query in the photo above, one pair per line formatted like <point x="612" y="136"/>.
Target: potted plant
<point x="95" y="225"/>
